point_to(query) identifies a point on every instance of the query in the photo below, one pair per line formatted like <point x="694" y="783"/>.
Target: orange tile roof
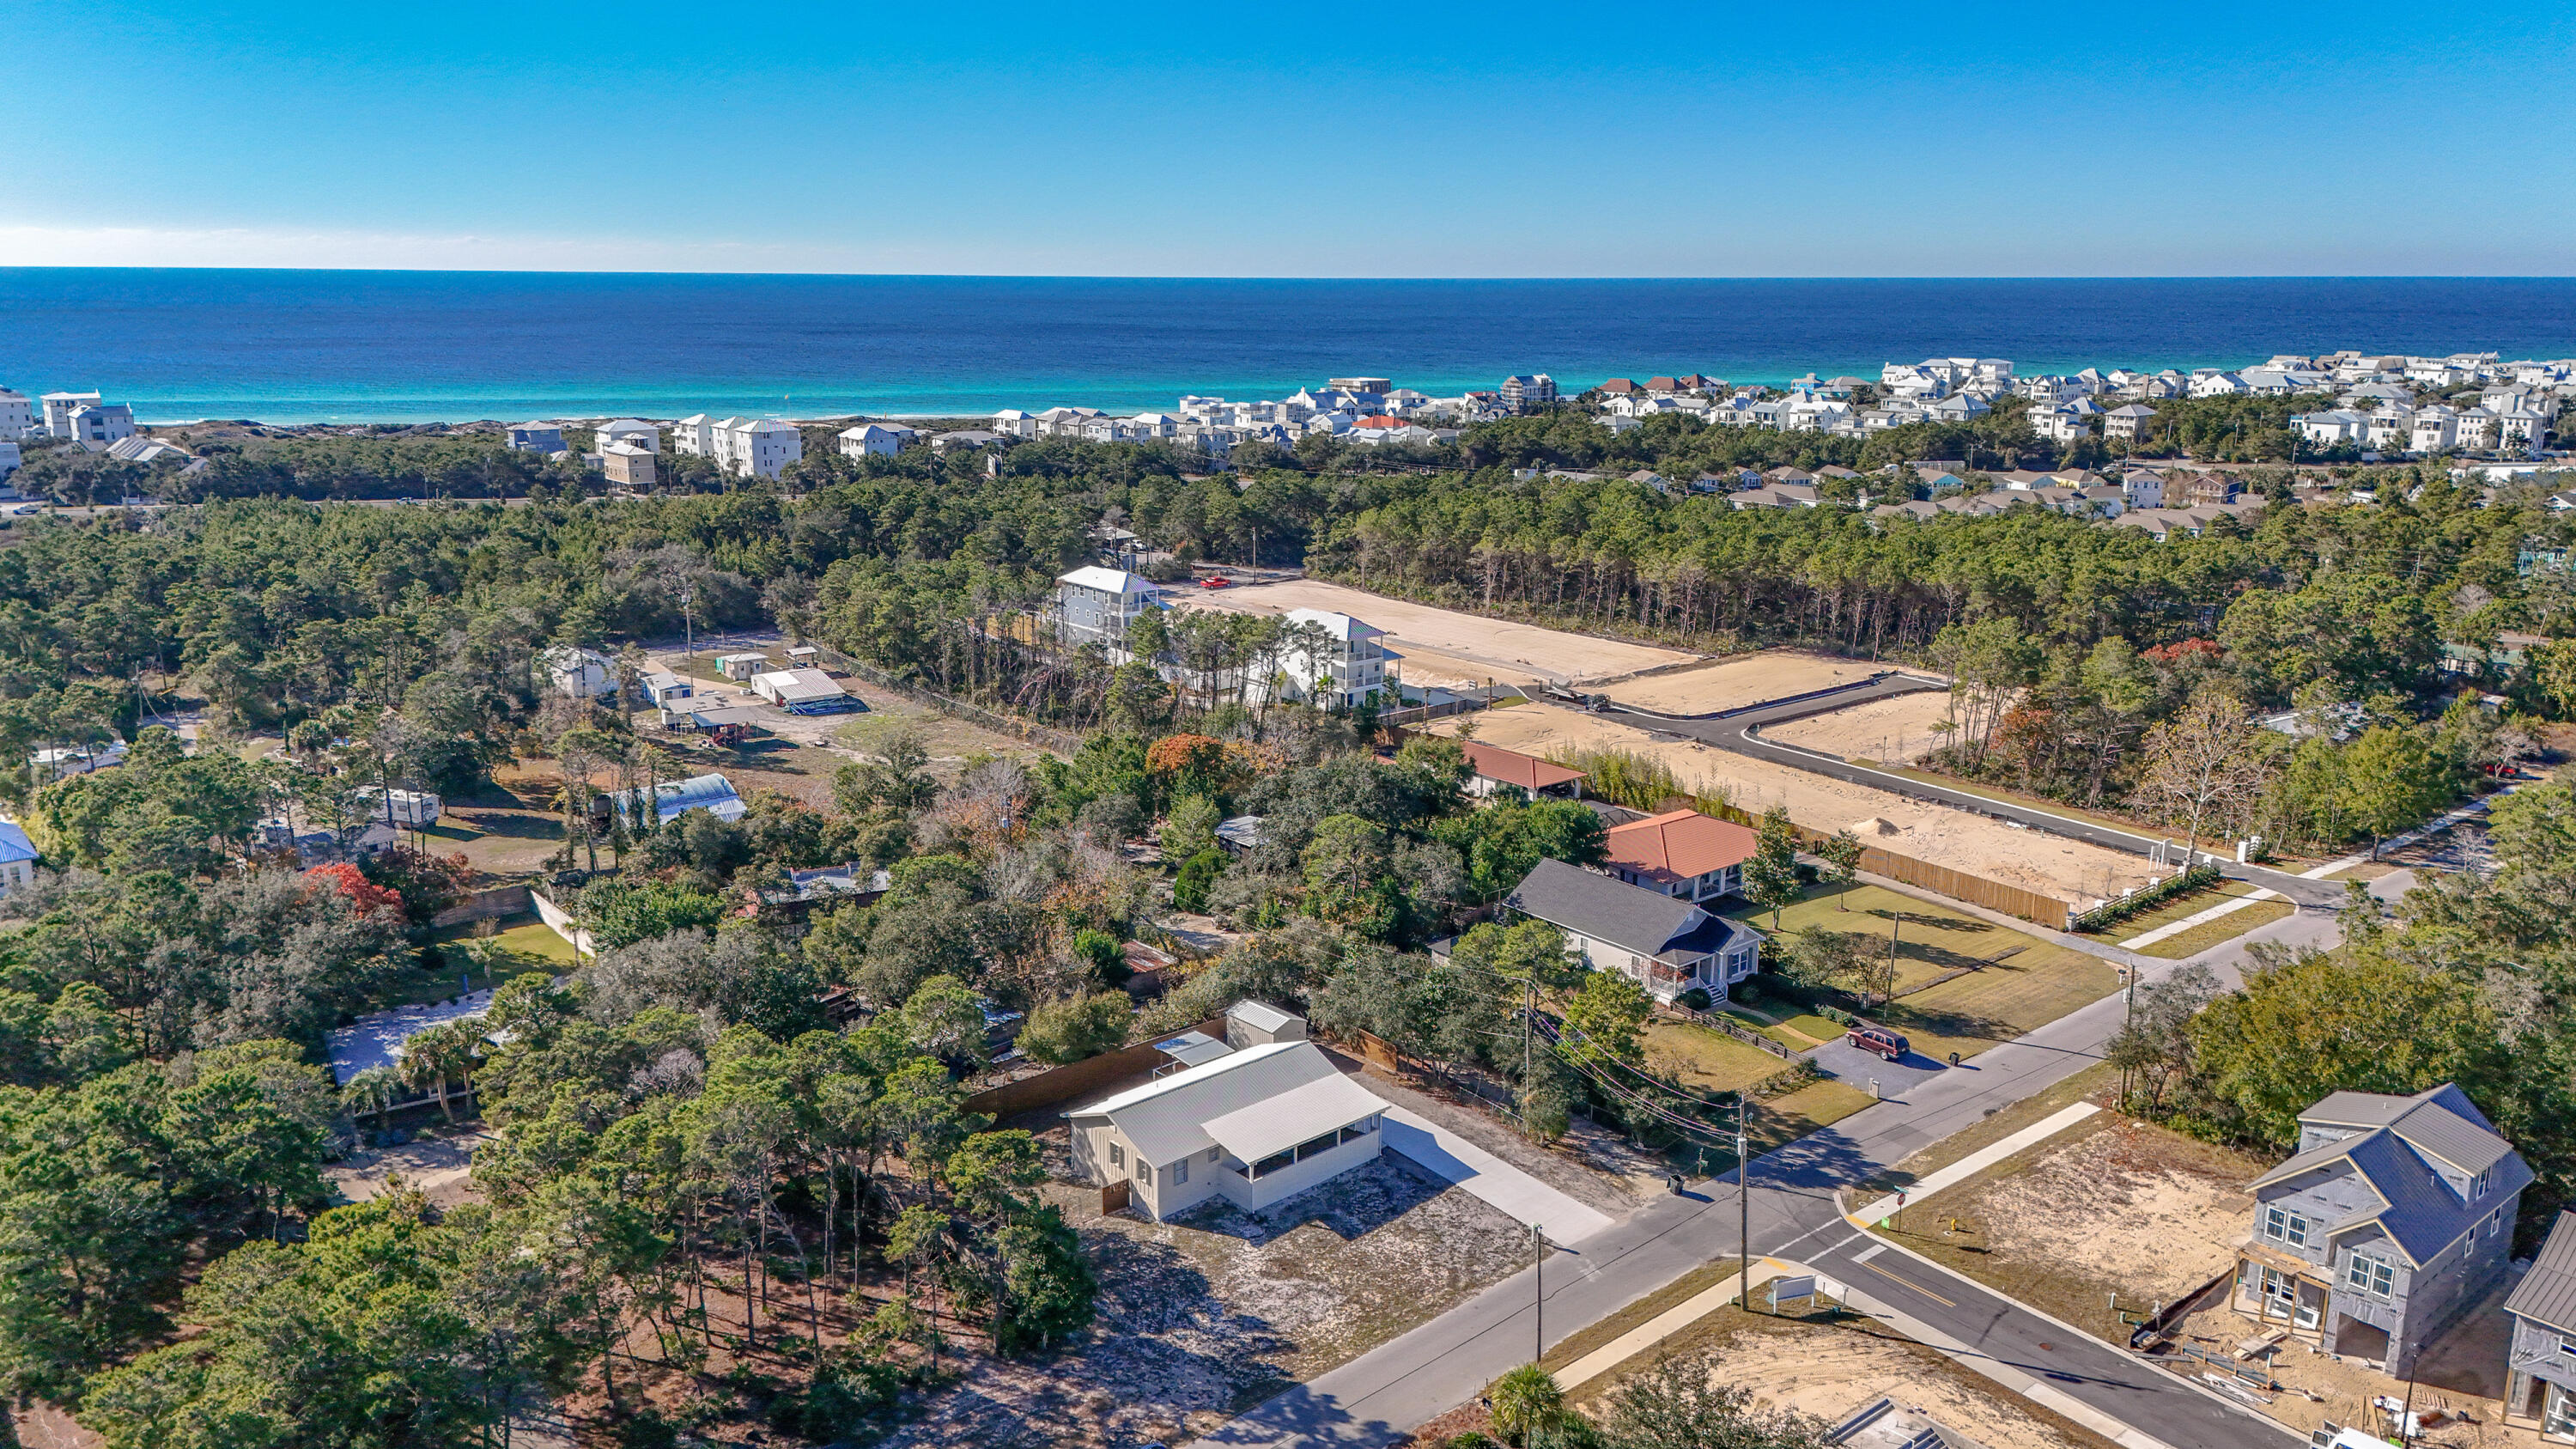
<point x="1511" y="767"/>
<point x="1678" y="845"/>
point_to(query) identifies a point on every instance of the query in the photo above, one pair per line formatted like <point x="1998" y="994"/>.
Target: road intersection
<point x="1796" y="1217"/>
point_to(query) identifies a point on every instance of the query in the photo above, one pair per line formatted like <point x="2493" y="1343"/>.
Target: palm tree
<point x="438" y="1055"/>
<point x="372" y="1090"/>
<point x="1526" y="1400"/>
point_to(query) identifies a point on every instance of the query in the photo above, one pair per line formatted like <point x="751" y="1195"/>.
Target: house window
<point x="2283" y="1226"/>
<point x="1181" y="1170"/>
<point x="1272" y="1163"/>
<point x="2375" y="1276"/>
<point x="2558" y="1412"/>
<point x="1312" y="1146"/>
<point x="1117" y="1155"/>
<point x="2485" y="1180"/>
<point x="1358" y="1130"/>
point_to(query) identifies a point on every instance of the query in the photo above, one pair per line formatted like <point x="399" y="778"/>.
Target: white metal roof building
<point x="1255" y="1127"/>
<point x="785" y="687"/>
<point x="711" y="793"/>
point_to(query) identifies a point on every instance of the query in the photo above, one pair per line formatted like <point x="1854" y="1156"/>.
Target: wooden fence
<point x="1994" y="895"/>
<point x="1720" y="1021"/>
<point x="1063" y="1084"/>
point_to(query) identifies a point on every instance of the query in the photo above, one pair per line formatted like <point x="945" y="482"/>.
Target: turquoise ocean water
<point x="302" y="346"/>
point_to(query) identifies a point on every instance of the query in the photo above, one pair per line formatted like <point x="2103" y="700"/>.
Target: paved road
<point x="1739" y="732"/>
<point x="1443" y="1363"/>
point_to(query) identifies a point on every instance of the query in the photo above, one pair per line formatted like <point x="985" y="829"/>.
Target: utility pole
<point x="1538" y="1293"/>
<point x="1529" y="1009"/>
<point x="1744" y="1204"/>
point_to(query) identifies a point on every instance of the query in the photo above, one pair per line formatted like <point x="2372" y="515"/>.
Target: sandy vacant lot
<point x="2051" y="864"/>
<point x="2119" y="1205"/>
<point x="1747" y="679"/>
<point x="1830" y="1372"/>
<point x="1202" y="1317"/>
<point x="1892" y="731"/>
<point x="1444" y="648"/>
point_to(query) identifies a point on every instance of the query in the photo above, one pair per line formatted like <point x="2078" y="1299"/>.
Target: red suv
<point x="1878" y="1041"/>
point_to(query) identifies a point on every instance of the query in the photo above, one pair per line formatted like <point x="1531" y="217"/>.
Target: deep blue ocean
<point x="308" y="346"/>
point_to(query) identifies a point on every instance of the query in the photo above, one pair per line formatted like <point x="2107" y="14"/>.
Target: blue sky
<point x="1439" y="140"/>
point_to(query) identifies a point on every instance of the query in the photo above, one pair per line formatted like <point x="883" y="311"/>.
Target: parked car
<point x="1878" y="1041"/>
<point x="1215" y="581"/>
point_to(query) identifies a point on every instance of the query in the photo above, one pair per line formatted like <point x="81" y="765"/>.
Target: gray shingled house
<point x="2393" y="1218"/>
<point x="1665" y="945"/>
<point x="2540" y="1391"/>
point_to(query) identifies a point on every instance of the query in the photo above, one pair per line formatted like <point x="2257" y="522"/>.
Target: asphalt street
<point x="1738" y="731"/>
<point x="1443" y="1363"/>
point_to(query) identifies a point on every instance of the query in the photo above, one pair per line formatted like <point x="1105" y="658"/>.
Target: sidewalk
<point x="2395" y="842"/>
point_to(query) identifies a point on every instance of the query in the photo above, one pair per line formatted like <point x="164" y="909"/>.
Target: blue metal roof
<point x="14" y="844"/>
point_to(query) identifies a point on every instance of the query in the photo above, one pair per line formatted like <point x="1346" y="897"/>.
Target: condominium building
<point x="628" y="430"/>
<point x="881" y="439"/>
<point x="757" y="447"/>
<point x="694" y="434"/>
<point x="534" y="437"/>
<point x="17" y="414"/>
<point x="627" y="464"/>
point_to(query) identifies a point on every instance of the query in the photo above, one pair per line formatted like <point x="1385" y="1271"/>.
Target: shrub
<point x="1075" y="1027"/>
<point x="1198" y="873"/>
<point x="622" y="912"/>
<point x="1100" y="951"/>
<point x="1695" y="999"/>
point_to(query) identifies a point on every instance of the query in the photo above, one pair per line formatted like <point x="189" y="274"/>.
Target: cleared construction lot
<point x="1444" y="648"/>
<point x="1896" y="730"/>
<point x="2050" y="864"/>
<point x="1742" y="680"/>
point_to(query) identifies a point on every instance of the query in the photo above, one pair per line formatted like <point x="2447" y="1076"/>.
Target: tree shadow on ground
<point x="524" y="827"/>
<point x="1933" y="1021"/>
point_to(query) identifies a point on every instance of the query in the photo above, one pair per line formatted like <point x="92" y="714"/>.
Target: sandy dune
<point x="2051" y="864"/>
<point x="1443" y="647"/>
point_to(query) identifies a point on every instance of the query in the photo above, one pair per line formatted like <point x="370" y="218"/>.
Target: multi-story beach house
<point x="1094" y="605"/>
<point x="756" y="447"/>
<point x="2394" y="1217"/>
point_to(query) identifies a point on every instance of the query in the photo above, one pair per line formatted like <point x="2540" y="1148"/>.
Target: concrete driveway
<point x="1849" y="1063"/>
<point x="1521" y="1197"/>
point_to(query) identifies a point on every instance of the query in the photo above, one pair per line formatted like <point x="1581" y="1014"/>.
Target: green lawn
<point x="1815" y="1028"/>
<point x="2181" y="907"/>
<point x="1761" y="1025"/>
<point x="1705" y="1059"/>
<point x="1999" y="1003"/>
<point x="1930" y="939"/>
<point x="2210" y="933"/>
<point x="528" y="943"/>
<point x="2019" y="982"/>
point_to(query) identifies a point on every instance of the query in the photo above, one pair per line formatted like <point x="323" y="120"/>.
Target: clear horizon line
<point x="1344" y="277"/>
